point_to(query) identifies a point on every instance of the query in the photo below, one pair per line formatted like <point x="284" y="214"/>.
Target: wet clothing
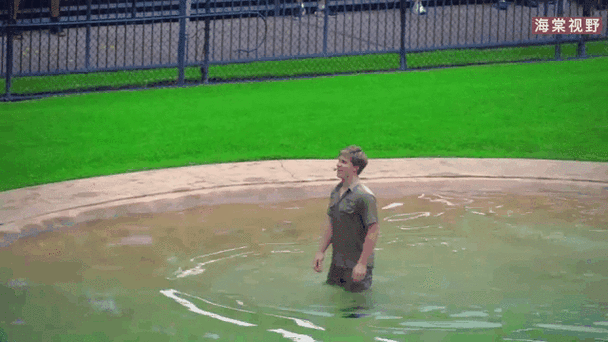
<point x="344" y="277"/>
<point x="351" y="216"/>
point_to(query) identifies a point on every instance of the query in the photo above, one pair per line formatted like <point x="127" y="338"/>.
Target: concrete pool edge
<point x="30" y="210"/>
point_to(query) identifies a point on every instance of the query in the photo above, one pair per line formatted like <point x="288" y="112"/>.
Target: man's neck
<point x="348" y="182"/>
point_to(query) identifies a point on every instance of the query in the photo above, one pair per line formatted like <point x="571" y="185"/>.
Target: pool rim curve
<point x="32" y="210"/>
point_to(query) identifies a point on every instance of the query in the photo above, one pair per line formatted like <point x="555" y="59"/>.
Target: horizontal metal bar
<point x="133" y="21"/>
<point x="90" y="70"/>
<point x="126" y="8"/>
<point x="396" y="51"/>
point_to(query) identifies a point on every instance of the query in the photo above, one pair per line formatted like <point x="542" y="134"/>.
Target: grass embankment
<point x="552" y="110"/>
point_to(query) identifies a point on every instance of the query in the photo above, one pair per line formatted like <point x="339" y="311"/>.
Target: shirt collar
<point x="353" y="185"/>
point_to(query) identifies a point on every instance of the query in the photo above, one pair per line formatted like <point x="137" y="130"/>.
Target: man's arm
<point x="317" y="263"/>
<point x="326" y="237"/>
<point x="369" y="244"/>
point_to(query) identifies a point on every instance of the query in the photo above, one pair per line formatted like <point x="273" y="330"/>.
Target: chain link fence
<point x="59" y="46"/>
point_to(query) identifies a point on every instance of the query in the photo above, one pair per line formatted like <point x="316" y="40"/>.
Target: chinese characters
<point x="566" y="25"/>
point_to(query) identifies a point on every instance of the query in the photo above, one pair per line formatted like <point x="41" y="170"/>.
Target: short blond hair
<point x="357" y="157"/>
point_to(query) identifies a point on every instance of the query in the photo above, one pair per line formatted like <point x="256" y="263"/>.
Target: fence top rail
<point x="82" y="23"/>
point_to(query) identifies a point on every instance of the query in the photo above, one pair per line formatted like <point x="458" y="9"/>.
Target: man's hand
<point x="359" y="272"/>
<point x="317" y="263"/>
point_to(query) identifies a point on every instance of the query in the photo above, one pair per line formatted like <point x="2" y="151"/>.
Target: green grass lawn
<point x="549" y="110"/>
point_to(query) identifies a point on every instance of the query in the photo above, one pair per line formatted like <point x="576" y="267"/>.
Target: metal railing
<point x="115" y="35"/>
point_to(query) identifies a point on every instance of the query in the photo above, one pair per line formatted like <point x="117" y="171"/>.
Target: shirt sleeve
<point x="369" y="210"/>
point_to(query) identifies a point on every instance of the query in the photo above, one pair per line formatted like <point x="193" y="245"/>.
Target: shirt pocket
<point x="347" y="206"/>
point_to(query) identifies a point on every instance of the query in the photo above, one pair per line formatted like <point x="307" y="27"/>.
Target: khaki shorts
<point x="344" y="277"/>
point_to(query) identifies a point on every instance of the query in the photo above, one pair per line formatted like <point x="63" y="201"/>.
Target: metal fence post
<point x="181" y="45"/>
<point x="325" y="28"/>
<point x="9" y="47"/>
<point x="581" y="50"/>
<point x="87" y="51"/>
<point x="205" y="67"/>
<point x="277" y="8"/>
<point x="403" y="61"/>
<point x="558" y="46"/>
<point x="133" y="8"/>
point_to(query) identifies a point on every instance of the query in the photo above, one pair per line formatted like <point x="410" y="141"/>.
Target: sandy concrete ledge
<point x="27" y="211"/>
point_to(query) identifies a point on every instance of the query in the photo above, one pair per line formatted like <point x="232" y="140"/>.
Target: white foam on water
<point x="423" y="294"/>
<point x="600" y="323"/>
<point x="230" y="257"/>
<point x="388" y="317"/>
<point x="135" y="240"/>
<point x="414" y="228"/>
<point x="218" y="305"/>
<point x="470" y="314"/>
<point x="442" y="199"/>
<point x="576" y="328"/>
<point x="193" y="271"/>
<point x="395" y="330"/>
<point x="301" y="322"/>
<point x="418" y="214"/>
<point x="383" y="339"/>
<point x="214" y="253"/>
<point x="431" y="308"/>
<point x="198" y="270"/>
<point x="454" y="324"/>
<point x="314" y="313"/>
<point x="193" y="308"/>
<point x="293" y="336"/>
<point x="213" y="336"/>
<point x="392" y="205"/>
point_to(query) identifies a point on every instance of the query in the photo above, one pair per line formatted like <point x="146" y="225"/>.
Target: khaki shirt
<point x="351" y="217"/>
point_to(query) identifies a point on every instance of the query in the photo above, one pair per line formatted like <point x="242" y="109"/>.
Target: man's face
<point x="345" y="168"/>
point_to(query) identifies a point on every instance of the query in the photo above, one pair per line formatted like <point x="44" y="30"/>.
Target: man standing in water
<point x="352" y="228"/>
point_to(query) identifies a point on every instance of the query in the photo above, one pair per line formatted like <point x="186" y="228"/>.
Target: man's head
<point x="352" y="159"/>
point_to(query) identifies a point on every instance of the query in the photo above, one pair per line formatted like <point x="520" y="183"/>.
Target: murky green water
<point x="449" y="267"/>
